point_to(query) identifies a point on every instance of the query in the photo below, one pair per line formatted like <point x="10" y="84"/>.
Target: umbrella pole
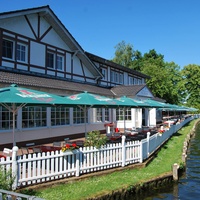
<point x="14" y="112"/>
<point x="14" y="143"/>
<point x="85" y="110"/>
<point x="124" y="119"/>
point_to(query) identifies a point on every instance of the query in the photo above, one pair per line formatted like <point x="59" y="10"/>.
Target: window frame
<point x="98" y="115"/>
<point x="121" y="80"/>
<point x="54" y="62"/>
<point x="6" y="119"/>
<point x="60" y="116"/>
<point x="104" y="73"/>
<point x="16" y="54"/>
<point x="79" y="116"/>
<point x="8" y="50"/>
<point x="21" y="52"/>
<point x="121" y="116"/>
<point x="34" y="116"/>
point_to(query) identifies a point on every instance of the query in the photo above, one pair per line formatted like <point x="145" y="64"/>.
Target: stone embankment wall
<point x="139" y="191"/>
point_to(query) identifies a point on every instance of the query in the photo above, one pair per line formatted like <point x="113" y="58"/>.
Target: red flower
<point x="67" y="146"/>
<point x="74" y="145"/>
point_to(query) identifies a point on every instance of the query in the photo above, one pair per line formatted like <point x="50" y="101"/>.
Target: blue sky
<point x="171" y="27"/>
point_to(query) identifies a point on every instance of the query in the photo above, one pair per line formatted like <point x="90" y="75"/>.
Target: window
<point x="6" y="119"/>
<point x="54" y="61"/>
<point x="130" y="80"/>
<point x="98" y="115"/>
<point x="34" y="117"/>
<point x="78" y="116"/>
<point x="21" y="52"/>
<point x="60" y="116"/>
<point x="50" y="60"/>
<point x="112" y="73"/>
<point x="59" y="62"/>
<point x="120" y="114"/>
<point x="121" y="78"/>
<point x="103" y="71"/>
<point x="116" y="77"/>
<point x="106" y="114"/>
<point x="7" y="50"/>
<point x="135" y="81"/>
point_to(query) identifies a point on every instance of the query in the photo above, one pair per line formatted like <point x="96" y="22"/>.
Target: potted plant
<point x="69" y="149"/>
<point x="161" y="132"/>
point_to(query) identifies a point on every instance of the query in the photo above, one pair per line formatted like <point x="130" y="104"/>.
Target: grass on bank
<point x="170" y="153"/>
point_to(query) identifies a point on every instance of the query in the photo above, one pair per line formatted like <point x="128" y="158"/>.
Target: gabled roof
<point x="128" y="90"/>
<point x="115" y="65"/>
<point x="61" y="30"/>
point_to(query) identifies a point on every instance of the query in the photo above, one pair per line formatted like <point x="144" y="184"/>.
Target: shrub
<point x="95" y="139"/>
<point x="6" y="179"/>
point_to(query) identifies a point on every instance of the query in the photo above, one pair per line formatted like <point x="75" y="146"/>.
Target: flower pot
<point x="160" y="134"/>
<point x="69" y="152"/>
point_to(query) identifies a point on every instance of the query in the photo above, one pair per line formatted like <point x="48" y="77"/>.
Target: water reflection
<point x="188" y="187"/>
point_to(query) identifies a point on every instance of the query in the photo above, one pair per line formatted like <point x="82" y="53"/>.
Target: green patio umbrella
<point x="87" y="100"/>
<point x="13" y="98"/>
<point x="93" y="100"/>
<point x="128" y="102"/>
<point x="156" y="104"/>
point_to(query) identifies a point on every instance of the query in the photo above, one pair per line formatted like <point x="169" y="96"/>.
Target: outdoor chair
<point x="7" y="152"/>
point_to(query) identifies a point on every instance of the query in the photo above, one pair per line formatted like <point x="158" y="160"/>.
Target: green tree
<point x="124" y="54"/>
<point x="191" y="82"/>
<point x="165" y="77"/>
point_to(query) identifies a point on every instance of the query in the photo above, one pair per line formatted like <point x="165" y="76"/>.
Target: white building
<point x="38" y="52"/>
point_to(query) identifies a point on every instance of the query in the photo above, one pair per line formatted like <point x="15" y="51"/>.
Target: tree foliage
<point x="167" y="80"/>
<point x="191" y="82"/>
<point x="124" y="54"/>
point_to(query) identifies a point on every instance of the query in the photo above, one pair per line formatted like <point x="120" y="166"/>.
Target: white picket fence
<point x="30" y="169"/>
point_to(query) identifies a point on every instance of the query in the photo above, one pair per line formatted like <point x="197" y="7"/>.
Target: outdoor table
<point x="114" y="138"/>
<point x="130" y="133"/>
<point x="46" y="148"/>
<point x="169" y="121"/>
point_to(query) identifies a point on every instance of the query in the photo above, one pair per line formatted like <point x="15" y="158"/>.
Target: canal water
<point x="188" y="187"/>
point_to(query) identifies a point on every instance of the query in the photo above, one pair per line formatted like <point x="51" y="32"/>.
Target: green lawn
<point x="170" y="153"/>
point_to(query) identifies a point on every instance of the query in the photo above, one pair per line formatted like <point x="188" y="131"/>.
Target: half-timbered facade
<point x="38" y="52"/>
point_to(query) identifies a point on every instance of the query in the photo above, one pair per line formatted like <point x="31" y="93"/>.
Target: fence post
<point x="175" y="171"/>
<point x="148" y="135"/>
<point x="123" y="151"/>
<point x="78" y="163"/>
<point x="14" y="167"/>
<point x="141" y="152"/>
